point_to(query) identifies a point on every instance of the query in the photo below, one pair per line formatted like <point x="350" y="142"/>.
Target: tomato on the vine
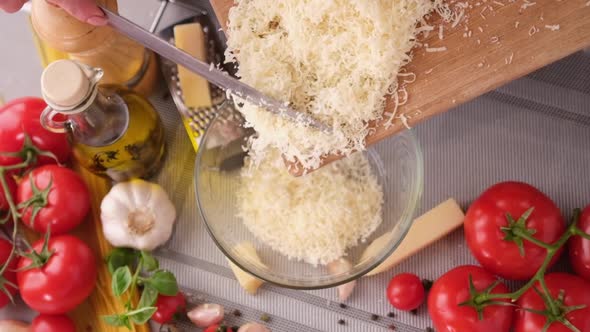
<point x="59" y="199"/>
<point x="405" y="291"/>
<point x="8" y="276"/>
<point x="4" y="206"/>
<point x="576" y="292"/>
<point x="168" y="307"/>
<point x="57" y="277"/>
<point x="498" y="214"/>
<point x="451" y="290"/>
<point x="52" y="323"/>
<point x="19" y="122"/>
<point x="218" y="328"/>
<point x="579" y="248"/>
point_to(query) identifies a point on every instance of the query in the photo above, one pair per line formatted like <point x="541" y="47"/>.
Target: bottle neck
<point x="102" y="121"/>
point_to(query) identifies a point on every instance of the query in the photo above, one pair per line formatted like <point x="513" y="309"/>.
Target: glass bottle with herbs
<point x="114" y="131"/>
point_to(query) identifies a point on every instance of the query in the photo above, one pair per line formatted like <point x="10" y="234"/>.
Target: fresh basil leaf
<point x="164" y="282"/>
<point x="149" y="262"/>
<point x="148" y="298"/>
<point x="116" y="320"/>
<point x="120" y="257"/>
<point x="121" y="280"/>
<point x="142" y="315"/>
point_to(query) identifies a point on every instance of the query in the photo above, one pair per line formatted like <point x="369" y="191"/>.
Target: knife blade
<point x="210" y="73"/>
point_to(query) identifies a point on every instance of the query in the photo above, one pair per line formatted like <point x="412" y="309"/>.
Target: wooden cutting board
<point x="495" y="43"/>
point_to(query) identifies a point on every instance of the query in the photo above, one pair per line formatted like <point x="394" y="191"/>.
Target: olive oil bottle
<point x="115" y="132"/>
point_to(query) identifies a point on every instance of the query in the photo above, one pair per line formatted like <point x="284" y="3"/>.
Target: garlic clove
<point x="344" y="291"/>
<point x="206" y="315"/>
<point x="341" y="266"/>
<point x="253" y="327"/>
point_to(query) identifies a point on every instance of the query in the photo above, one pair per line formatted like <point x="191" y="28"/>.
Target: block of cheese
<point x="425" y="230"/>
<point x="195" y="89"/>
<point x="246" y="280"/>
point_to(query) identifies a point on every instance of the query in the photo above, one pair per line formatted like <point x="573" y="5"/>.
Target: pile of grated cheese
<point x="334" y="59"/>
<point x="314" y="218"/>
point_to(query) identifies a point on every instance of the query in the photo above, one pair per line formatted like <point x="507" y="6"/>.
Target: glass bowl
<point x="397" y="162"/>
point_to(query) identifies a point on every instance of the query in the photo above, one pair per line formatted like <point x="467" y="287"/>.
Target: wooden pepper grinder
<point x="123" y="61"/>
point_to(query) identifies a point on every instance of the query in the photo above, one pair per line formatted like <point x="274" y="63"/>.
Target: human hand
<point x="84" y="10"/>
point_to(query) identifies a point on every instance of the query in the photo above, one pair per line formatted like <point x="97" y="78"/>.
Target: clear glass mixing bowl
<point x="397" y="162"/>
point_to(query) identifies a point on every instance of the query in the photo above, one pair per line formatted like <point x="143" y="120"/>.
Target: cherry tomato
<point x="576" y="291"/>
<point x="65" y="207"/>
<point x="579" y="248"/>
<point x="63" y="281"/>
<point x="52" y="323"/>
<point x="8" y="274"/>
<point x="20" y="118"/>
<point x="218" y="328"/>
<point x="452" y="289"/>
<point x="11" y="189"/>
<point x="168" y="307"/>
<point x="486" y="217"/>
<point x="405" y="291"/>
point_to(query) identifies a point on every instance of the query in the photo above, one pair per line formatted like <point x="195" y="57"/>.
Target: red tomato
<point x="52" y="323"/>
<point x="9" y="274"/>
<point x="405" y="291"/>
<point x="66" y="206"/>
<point x="20" y="118"/>
<point x="218" y="328"/>
<point x="452" y="289"/>
<point x="579" y="248"/>
<point x="11" y="188"/>
<point x="487" y="215"/>
<point x="64" y="280"/>
<point x="168" y="307"/>
<point x="577" y="292"/>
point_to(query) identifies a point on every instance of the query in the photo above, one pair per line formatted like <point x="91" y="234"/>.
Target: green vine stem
<point x="13" y="210"/>
<point x="483" y="297"/>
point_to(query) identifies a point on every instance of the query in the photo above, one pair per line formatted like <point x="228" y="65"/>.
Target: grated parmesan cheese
<point x="336" y="60"/>
<point x="436" y="49"/>
<point x="314" y="218"/>
<point x="527" y="4"/>
<point x="553" y="27"/>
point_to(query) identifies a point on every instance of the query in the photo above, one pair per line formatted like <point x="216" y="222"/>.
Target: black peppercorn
<point x="343" y="306"/>
<point x="341" y="322"/>
<point x="429" y="329"/>
<point x="265" y="318"/>
<point x="374" y="317"/>
<point x="237" y="313"/>
<point x="391" y="327"/>
<point x="414" y="312"/>
<point x="391" y="315"/>
<point x="427" y="284"/>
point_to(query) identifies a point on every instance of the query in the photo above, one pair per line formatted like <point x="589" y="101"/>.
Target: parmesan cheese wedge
<point x="426" y="229"/>
<point x="246" y="280"/>
<point x="195" y="89"/>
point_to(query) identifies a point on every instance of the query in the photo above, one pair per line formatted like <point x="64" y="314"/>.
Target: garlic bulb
<point x="137" y="214"/>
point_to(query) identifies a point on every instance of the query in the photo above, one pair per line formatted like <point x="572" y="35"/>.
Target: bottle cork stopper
<point x="64" y="84"/>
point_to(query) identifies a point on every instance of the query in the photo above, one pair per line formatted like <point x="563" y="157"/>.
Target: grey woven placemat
<point x="536" y="129"/>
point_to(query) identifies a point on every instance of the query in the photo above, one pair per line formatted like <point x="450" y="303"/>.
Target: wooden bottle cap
<point x="65" y="84"/>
